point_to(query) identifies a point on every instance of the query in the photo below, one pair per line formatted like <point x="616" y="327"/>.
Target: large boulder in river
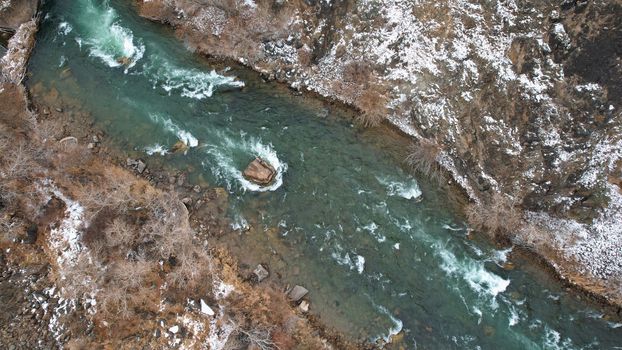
<point x="260" y="172"/>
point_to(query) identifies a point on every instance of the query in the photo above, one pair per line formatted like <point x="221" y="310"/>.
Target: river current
<point x="382" y="252"/>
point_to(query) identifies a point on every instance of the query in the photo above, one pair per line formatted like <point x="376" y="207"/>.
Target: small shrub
<point x="17" y="162"/>
<point x="423" y="158"/>
<point x="119" y="234"/>
<point x="500" y="217"/>
<point x="373" y="106"/>
<point x="259" y="337"/>
<point x="358" y="72"/>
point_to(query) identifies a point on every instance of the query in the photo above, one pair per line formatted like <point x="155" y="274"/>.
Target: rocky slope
<point x="509" y="97"/>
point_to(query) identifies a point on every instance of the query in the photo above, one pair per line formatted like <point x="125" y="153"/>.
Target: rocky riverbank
<point x="102" y="249"/>
<point x="518" y="102"/>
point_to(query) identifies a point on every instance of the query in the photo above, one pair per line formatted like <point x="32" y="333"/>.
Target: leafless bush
<point x="373" y="106"/>
<point x="192" y="264"/>
<point x="119" y="234"/>
<point x="114" y="300"/>
<point x="49" y="130"/>
<point x="258" y="337"/>
<point x="423" y="158"/>
<point x="17" y="161"/>
<point x="500" y="217"/>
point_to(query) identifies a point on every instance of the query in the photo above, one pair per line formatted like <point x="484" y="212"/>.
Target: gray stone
<point x="140" y="166"/>
<point x="297" y="293"/>
<point x="197" y="189"/>
<point x="261" y="273"/>
<point x="304" y="306"/>
<point x="187" y="201"/>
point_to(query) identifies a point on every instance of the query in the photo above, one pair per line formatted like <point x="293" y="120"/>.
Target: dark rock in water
<point x="260" y="172"/>
<point x="179" y="146"/>
<point x="126" y="61"/>
<point x="297" y="293"/>
<point x="261" y="273"/>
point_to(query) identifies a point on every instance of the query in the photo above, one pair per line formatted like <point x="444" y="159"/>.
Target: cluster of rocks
<point x="294" y="294"/>
<point x="137" y="164"/>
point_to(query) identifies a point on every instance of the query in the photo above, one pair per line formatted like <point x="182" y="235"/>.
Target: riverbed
<point x="385" y="255"/>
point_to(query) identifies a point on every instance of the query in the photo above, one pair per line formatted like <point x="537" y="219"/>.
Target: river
<point x="381" y="251"/>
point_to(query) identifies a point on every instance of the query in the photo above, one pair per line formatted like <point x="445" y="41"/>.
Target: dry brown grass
<point x="373" y="107"/>
<point x="423" y="158"/>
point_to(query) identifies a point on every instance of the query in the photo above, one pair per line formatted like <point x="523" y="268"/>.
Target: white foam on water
<point x="553" y="340"/>
<point x="239" y="223"/>
<point x="156" y="149"/>
<point x="64" y="28"/>
<point x="108" y="40"/>
<point x="372" y="228"/>
<point x="483" y="282"/>
<point x="355" y="262"/>
<point x="408" y="189"/>
<point x="359" y="261"/>
<point x="397" y="327"/>
<point x="223" y="165"/>
<point x="477" y="311"/>
<point x="191" y="83"/>
<point x="514" y="317"/>
<point x="614" y="325"/>
<point x="501" y="256"/>
<point x="183" y="135"/>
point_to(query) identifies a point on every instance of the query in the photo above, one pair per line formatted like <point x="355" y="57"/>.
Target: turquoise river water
<point x="381" y="251"/>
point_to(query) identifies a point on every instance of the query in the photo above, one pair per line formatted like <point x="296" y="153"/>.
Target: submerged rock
<point x="260" y="172"/>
